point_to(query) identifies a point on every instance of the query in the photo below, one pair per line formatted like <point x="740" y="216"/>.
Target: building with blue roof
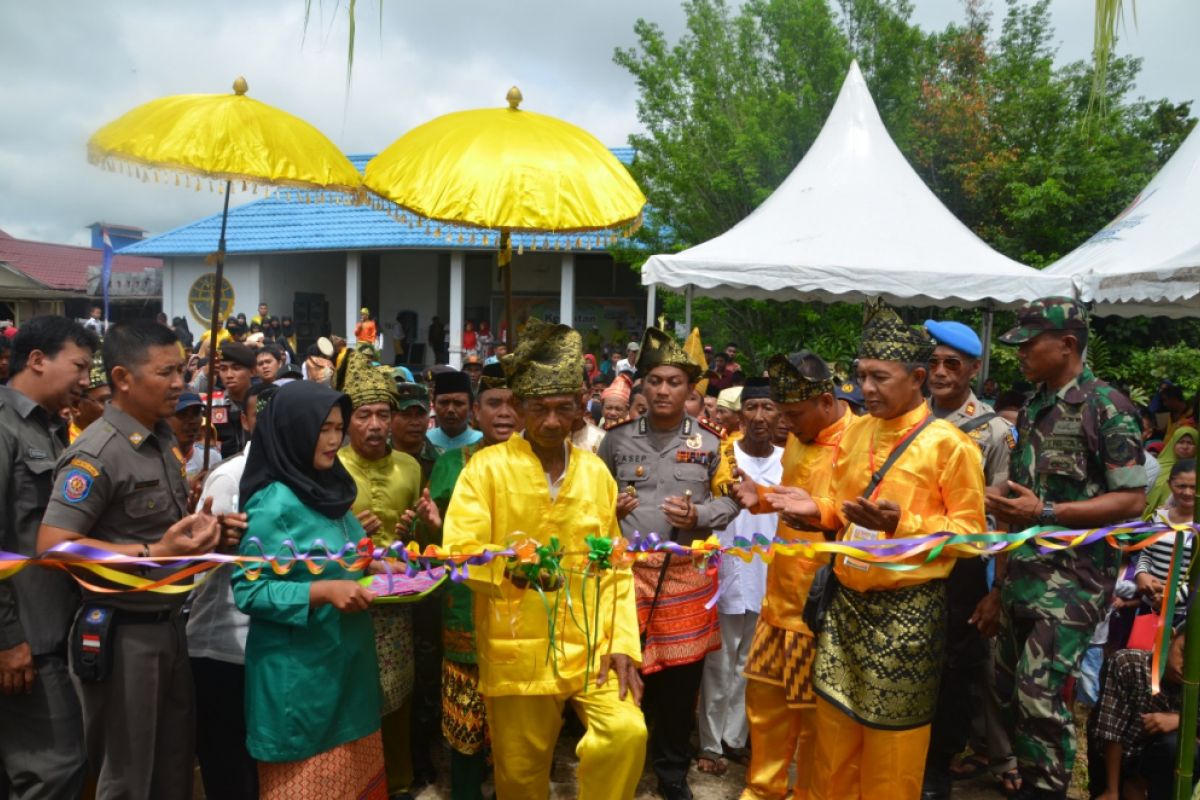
<point x="312" y="257"/>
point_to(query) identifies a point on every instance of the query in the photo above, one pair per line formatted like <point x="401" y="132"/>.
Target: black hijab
<point x="285" y="438"/>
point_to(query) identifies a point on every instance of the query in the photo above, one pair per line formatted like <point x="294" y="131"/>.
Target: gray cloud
<point x="68" y="69"/>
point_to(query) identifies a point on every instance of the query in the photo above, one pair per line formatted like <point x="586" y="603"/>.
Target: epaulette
<point x="623" y="423"/>
<point x="715" y="430"/>
<point x="94" y="437"/>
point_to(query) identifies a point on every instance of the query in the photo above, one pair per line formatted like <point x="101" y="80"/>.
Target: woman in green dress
<point x="312" y="679"/>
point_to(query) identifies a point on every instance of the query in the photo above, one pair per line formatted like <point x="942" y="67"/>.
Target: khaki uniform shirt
<point x="994" y="437"/>
<point x="122" y="483"/>
<point x="689" y="458"/>
<point x="36" y="604"/>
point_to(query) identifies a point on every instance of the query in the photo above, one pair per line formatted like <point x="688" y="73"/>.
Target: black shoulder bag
<point x="825" y="582"/>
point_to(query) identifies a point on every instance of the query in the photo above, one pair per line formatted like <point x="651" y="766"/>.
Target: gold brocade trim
<point x="464" y="715"/>
<point x="879" y="657"/>
<point x="783" y="658"/>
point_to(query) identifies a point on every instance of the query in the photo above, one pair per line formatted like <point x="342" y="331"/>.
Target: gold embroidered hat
<point x="798" y="377"/>
<point x="886" y="337"/>
<point x="659" y="349"/>
<point x="492" y="377"/>
<point x="96" y="375"/>
<point x="364" y="383"/>
<point x="548" y="360"/>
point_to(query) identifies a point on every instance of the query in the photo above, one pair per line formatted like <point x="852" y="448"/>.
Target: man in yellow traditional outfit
<point x="898" y="473"/>
<point x="779" y="697"/>
<point x="388" y="482"/>
<point x="538" y="488"/>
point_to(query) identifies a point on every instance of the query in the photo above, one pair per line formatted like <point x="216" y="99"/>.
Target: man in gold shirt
<point x="898" y="473"/>
<point x="537" y="486"/>
<point x="388" y="482"/>
<point x="779" y="697"/>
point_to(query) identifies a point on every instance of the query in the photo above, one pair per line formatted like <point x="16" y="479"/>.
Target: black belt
<point x="123" y="617"/>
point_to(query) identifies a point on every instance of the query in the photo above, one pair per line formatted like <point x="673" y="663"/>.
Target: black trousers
<point x="961" y="692"/>
<point x="670" y="707"/>
<point x="426" y="720"/>
<point x="227" y="769"/>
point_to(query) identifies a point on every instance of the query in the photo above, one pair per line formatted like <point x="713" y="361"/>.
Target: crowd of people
<point x="828" y="678"/>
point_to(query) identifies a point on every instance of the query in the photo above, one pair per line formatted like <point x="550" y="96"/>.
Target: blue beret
<point x="956" y="335"/>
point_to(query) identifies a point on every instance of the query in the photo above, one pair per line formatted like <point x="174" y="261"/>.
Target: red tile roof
<point x="63" y="266"/>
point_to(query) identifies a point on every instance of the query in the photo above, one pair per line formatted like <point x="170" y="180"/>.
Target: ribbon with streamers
<point x="542" y="563"/>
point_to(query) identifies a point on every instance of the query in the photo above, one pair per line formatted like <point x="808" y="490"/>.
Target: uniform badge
<point x="76" y="486"/>
<point x="36" y="454"/>
<point x="97" y="615"/>
<point x="85" y="466"/>
<point x="694" y="441"/>
<point x="1011" y="439"/>
<point x="640" y="471"/>
<point x="848" y="388"/>
<point x="136" y="438"/>
<point x="970" y="409"/>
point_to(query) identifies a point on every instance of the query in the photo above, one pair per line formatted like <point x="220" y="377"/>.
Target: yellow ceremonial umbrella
<point x="511" y="170"/>
<point x="229" y="138"/>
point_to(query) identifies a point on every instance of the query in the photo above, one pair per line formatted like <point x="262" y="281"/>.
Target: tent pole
<point x="1191" y="690"/>
<point x="651" y="297"/>
<point x="687" y="307"/>
<point x="988" y="321"/>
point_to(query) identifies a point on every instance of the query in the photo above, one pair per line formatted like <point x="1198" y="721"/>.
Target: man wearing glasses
<point x="953" y="366"/>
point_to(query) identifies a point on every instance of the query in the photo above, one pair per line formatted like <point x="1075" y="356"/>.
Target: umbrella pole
<point x="506" y="268"/>
<point x="215" y="320"/>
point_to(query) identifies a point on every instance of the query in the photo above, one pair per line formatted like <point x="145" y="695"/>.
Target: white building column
<point x="353" y="293"/>
<point x="566" y="300"/>
<point x="651" y="296"/>
<point x="458" y="260"/>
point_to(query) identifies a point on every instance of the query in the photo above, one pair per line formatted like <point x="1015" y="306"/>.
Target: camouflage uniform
<point x="1072" y="444"/>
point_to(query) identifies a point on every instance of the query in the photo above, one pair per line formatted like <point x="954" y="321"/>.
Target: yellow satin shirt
<point x="810" y="467"/>
<point x="388" y="487"/>
<point x="937" y="482"/>
<point x="503" y="495"/>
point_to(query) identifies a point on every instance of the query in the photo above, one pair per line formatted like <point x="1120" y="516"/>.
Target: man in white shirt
<point x="629" y="362"/>
<point x="216" y="634"/>
<point x="723" y="726"/>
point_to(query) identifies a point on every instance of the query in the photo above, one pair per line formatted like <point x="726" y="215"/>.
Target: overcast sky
<point x="66" y="72"/>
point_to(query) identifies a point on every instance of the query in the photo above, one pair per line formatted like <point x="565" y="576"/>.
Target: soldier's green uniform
<point x="1075" y="443"/>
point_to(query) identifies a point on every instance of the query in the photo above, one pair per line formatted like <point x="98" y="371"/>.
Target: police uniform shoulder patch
<point x="711" y="428"/>
<point x="1010" y="438"/>
<point x="76" y="485"/>
<point x="623" y="423"/>
<point x="87" y="467"/>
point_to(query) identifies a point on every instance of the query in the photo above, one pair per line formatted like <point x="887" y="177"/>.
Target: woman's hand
<point x="370" y="522"/>
<point x="345" y="596"/>
<point x="428" y="511"/>
<point x="233" y="527"/>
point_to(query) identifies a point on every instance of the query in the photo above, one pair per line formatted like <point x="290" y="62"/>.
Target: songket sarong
<point x="681" y="630"/>
<point x="783" y="658"/>
<point x="350" y="771"/>
<point x="464" y="716"/>
<point x="879" y="657"/>
<point x="394" y="649"/>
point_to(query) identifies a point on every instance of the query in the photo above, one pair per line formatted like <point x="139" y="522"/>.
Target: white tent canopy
<point x="853" y="221"/>
<point x="1147" y="260"/>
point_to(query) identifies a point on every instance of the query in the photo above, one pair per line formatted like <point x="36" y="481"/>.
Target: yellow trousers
<point x="525" y="728"/>
<point x="854" y="761"/>
<point x="779" y="736"/>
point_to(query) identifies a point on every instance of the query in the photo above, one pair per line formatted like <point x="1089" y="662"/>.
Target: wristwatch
<point x="1047" y="516"/>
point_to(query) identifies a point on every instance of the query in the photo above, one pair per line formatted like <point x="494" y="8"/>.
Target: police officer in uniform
<point x="952" y="368"/>
<point x="121" y="488"/>
<point x="1078" y="463"/>
<point x="671" y="481"/>
<point x="41" y="730"/>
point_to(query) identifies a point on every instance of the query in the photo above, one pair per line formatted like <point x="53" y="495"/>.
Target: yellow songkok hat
<point x="548" y="360"/>
<point x="364" y="383"/>
<point x="887" y="338"/>
<point x="659" y="349"/>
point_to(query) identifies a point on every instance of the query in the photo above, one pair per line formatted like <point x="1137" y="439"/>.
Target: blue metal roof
<point x="291" y="221"/>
